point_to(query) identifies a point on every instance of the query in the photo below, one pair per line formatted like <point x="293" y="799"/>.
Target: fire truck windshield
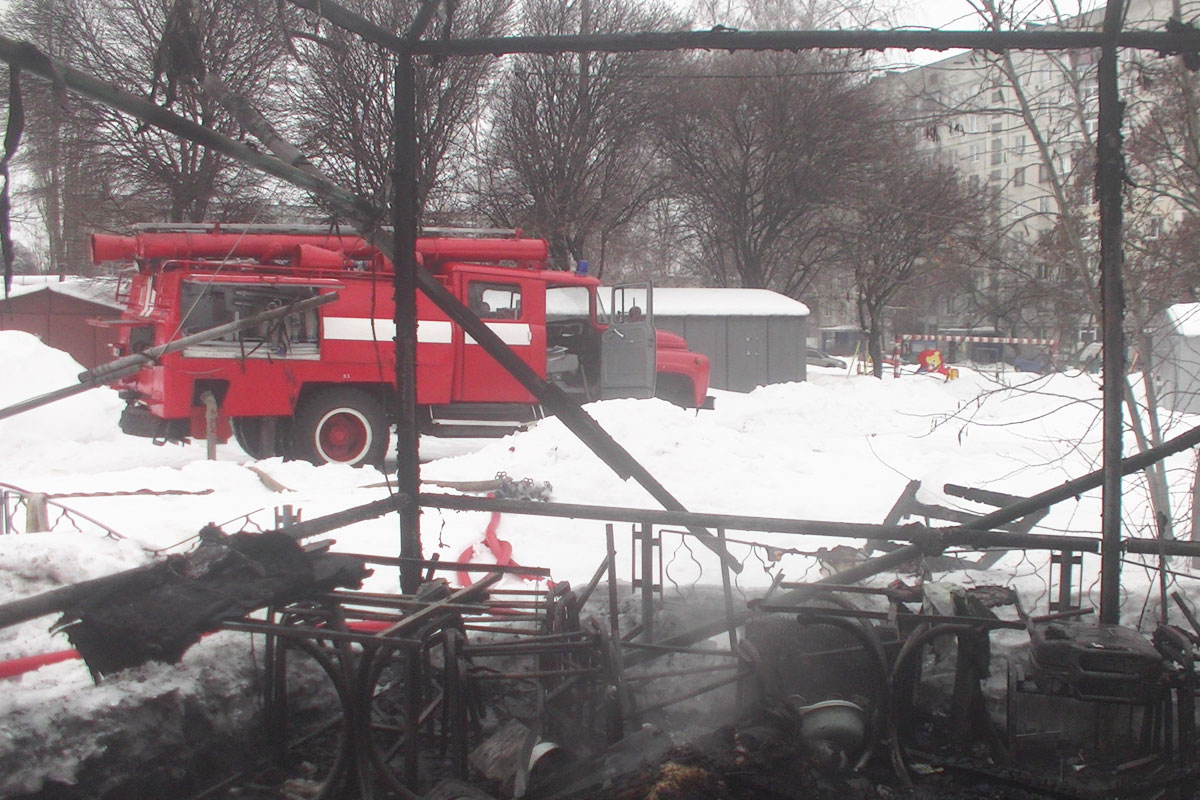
<point x="573" y="303"/>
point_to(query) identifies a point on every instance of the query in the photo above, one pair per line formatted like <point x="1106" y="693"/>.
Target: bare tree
<point x="904" y="217"/>
<point x="759" y="147"/>
<point x="1039" y="111"/>
<point x="62" y="184"/>
<point x="570" y="154"/>
<point x="341" y="100"/>
<point x="163" y="49"/>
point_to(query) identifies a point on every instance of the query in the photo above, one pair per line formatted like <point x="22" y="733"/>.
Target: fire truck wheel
<point x="345" y="426"/>
<point x="674" y="389"/>
<point x="261" y="437"/>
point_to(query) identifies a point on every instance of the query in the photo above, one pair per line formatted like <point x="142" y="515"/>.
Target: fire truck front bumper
<point x="138" y="421"/>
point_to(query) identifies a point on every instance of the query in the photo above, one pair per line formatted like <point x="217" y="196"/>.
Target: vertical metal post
<point x="647" y="582"/>
<point x="210" y="424"/>
<point x="614" y="617"/>
<point x="285" y="517"/>
<point x="1066" y="561"/>
<point x="728" y="588"/>
<point x="414" y="702"/>
<point x="404" y="223"/>
<point x="1110" y="169"/>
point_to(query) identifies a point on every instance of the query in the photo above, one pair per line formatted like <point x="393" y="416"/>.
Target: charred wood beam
<point x="111" y="371"/>
<point x="985" y="496"/>
<point x="56" y="600"/>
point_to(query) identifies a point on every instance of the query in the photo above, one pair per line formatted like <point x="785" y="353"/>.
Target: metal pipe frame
<point x="435" y="712"/>
<point x="1109" y="170"/>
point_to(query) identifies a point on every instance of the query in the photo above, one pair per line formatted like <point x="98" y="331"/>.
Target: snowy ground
<point x="839" y="447"/>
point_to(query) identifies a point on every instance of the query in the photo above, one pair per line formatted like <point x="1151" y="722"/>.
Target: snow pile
<point x="837" y="448"/>
<point x="35" y="370"/>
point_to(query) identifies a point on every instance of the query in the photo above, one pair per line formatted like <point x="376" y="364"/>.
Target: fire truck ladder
<point x="310" y="230"/>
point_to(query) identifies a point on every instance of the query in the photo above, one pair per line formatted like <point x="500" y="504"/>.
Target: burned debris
<point x="157" y="614"/>
<point x="826" y="689"/>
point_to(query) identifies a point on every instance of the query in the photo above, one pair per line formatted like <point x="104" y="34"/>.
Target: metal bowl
<point x="839" y="722"/>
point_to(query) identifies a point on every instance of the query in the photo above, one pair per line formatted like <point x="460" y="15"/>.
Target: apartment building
<point x="1020" y="126"/>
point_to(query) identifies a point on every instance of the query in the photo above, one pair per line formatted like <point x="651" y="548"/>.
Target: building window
<point x="973" y="183"/>
<point x="998" y="96"/>
<point x="995" y="176"/>
<point x="1021" y="145"/>
<point x="1019" y="176"/>
<point x="1044" y="204"/>
<point x="997" y="127"/>
<point x="997" y="151"/>
<point x="1043" y="174"/>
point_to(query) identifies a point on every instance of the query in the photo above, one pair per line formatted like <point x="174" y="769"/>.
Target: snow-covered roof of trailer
<point x="1184" y="318"/>
<point x="93" y="290"/>
<point x="716" y="302"/>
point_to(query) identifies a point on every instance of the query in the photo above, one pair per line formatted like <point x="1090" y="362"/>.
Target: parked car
<point x="1038" y="362"/>
<point x="822" y="359"/>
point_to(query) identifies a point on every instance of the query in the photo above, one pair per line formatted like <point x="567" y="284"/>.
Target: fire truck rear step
<point x="480" y="419"/>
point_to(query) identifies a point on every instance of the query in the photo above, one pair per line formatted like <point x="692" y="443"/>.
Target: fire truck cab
<point x="320" y="385"/>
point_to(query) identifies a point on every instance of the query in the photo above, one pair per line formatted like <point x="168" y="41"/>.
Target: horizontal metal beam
<point x="845" y="530"/>
<point x="731" y="40"/>
<point x="392" y="561"/>
<point x="340" y="519"/>
<point x="937" y="538"/>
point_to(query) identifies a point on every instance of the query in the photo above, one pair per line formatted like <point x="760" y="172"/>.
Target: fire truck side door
<point x="627" y="347"/>
<point x="509" y="307"/>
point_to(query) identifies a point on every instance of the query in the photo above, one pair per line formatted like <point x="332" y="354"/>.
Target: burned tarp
<point x="158" y="613"/>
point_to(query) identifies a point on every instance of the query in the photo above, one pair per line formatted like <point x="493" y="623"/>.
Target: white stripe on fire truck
<point x="511" y="333"/>
<point x="359" y="329"/>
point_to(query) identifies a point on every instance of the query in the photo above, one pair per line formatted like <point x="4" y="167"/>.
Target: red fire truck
<point x="319" y="385"/>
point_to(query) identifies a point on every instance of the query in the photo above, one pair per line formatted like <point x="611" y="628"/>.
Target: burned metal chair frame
<point x="415" y="657"/>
